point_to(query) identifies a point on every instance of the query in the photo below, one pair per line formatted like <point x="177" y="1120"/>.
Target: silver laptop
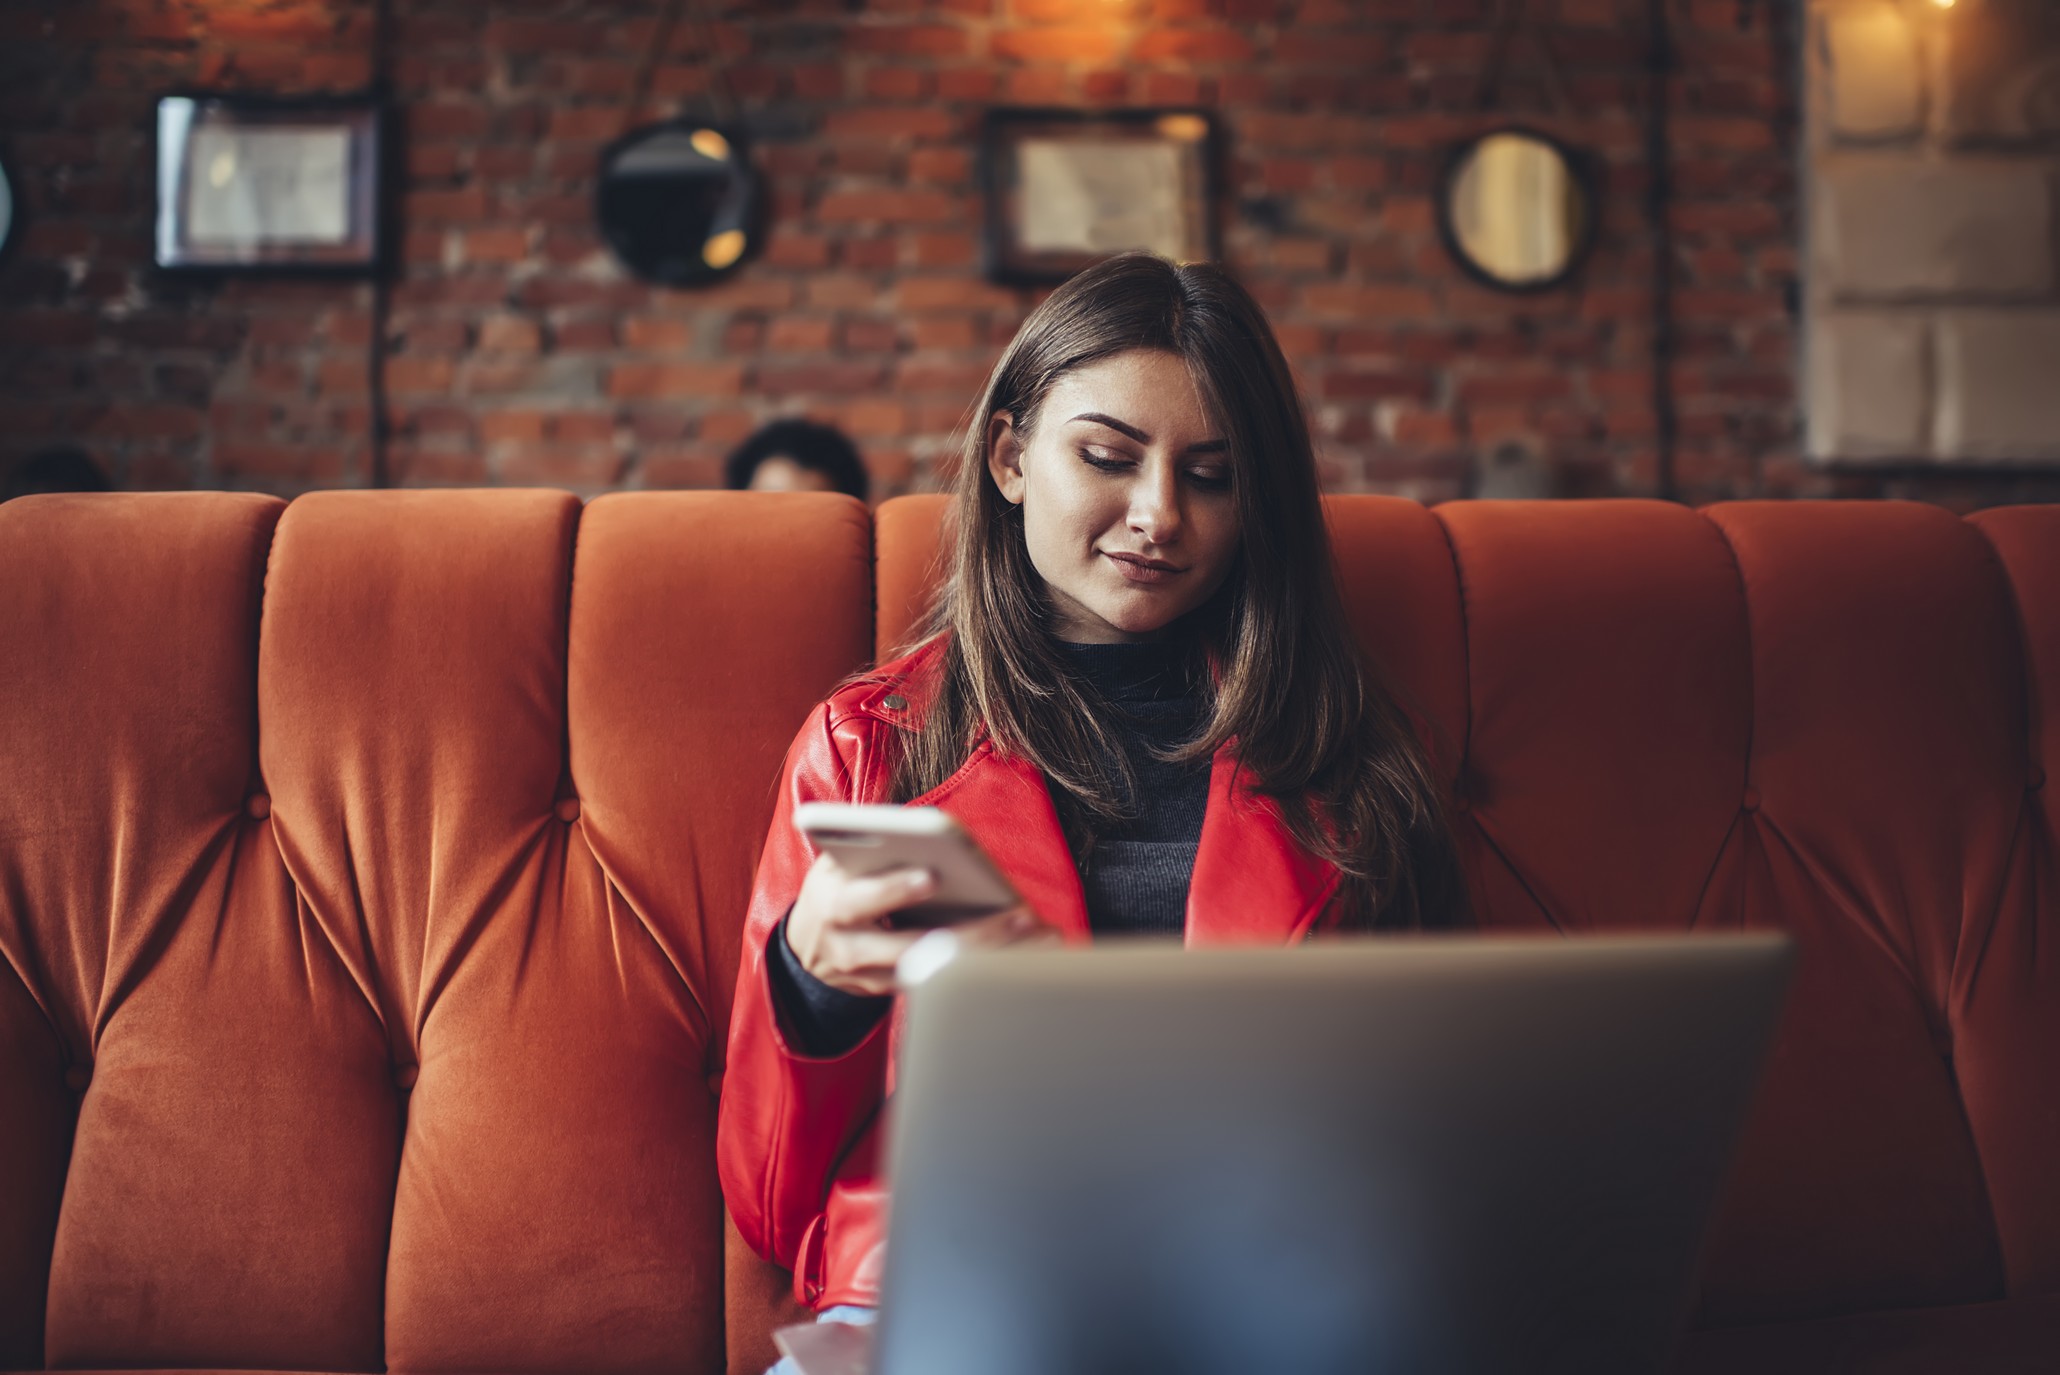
<point x="1449" y="1154"/>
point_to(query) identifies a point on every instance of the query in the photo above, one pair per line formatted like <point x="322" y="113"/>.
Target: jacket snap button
<point x="1752" y="799"/>
<point x="406" y="1075"/>
<point x="77" y="1077"/>
<point x="258" y="807"/>
<point x="894" y="701"/>
<point x="568" y="809"/>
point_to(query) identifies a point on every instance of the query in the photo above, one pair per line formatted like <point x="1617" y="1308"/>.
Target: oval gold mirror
<point x="1516" y="208"/>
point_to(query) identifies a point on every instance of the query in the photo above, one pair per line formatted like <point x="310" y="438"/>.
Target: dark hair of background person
<point x="820" y="448"/>
<point x="1315" y="726"/>
<point x="59" y="468"/>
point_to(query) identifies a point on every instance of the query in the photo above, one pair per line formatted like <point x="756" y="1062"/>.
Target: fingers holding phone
<point x="884" y="875"/>
<point x="839" y="926"/>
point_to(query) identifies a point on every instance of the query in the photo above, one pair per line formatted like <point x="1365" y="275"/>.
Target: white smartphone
<point x="871" y="838"/>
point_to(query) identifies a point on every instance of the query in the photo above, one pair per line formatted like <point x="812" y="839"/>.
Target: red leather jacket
<point x="797" y="1145"/>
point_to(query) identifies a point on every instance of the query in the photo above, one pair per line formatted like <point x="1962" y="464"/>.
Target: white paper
<point x="1100" y="197"/>
<point x="268" y="185"/>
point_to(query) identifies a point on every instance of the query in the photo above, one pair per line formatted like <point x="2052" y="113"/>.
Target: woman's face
<point x="1126" y="495"/>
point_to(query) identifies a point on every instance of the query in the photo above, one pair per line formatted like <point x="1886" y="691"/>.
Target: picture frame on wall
<point x="249" y="184"/>
<point x="1067" y="188"/>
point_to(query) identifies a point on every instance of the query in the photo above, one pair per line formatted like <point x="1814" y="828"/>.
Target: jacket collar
<point x="1253" y="883"/>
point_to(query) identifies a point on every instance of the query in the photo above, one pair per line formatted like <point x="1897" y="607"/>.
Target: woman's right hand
<point x="839" y="930"/>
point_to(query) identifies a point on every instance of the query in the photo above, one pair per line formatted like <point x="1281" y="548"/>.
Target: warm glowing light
<point x="1943" y="4"/>
<point x="711" y="145"/>
<point x="723" y="249"/>
<point x="222" y="170"/>
<point x="1183" y="128"/>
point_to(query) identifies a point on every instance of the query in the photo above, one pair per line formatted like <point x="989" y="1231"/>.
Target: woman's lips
<point x="1139" y="569"/>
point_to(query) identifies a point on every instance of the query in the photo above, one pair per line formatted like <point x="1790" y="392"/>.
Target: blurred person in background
<point x="796" y="456"/>
<point x="59" y="468"/>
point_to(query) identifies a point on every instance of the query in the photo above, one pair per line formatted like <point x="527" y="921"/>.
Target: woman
<point x="1137" y="692"/>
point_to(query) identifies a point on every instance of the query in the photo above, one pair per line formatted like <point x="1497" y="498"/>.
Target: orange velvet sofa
<point x="371" y="870"/>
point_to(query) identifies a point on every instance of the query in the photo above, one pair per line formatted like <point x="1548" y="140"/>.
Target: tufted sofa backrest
<point x="371" y="868"/>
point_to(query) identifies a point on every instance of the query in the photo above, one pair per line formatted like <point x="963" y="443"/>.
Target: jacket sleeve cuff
<point x="816" y="1020"/>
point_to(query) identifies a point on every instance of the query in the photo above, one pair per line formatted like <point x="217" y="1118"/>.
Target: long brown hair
<point x="1315" y="729"/>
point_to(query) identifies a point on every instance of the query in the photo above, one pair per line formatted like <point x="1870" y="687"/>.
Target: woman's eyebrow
<point x="1207" y="446"/>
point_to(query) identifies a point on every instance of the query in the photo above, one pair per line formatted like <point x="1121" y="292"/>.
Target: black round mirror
<point x="7" y="215"/>
<point x="679" y="203"/>
<point x="1516" y="208"/>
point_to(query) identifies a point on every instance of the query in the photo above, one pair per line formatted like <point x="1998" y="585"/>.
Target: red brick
<point x="841" y="291"/>
<point x="1423" y="427"/>
<point x="446" y="121"/>
<point x="1100" y="44"/>
<point x="591" y="124"/>
<point x="1369" y="302"/>
<point x="463" y="206"/>
<point x="692" y="468"/>
<point x="343" y="377"/>
<point x="640" y="380"/>
<point x="869" y="255"/>
<point x="1105" y="85"/>
<point x="911" y="40"/>
<point x="583" y="427"/>
<point x="966" y="83"/>
<point x="890" y="207"/>
<point x="512" y="426"/>
<point x="798" y="334"/>
<point x="801" y="379"/>
<point x="1175" y="88"/>
<point x="943" y="332"/>
<point x="873" y="419"/>
<point x="588" y="334"/>
<point x="496" y="245"/>
<point x="547" y="36"/>
<point x="1041" y="85"/>
<point x="727" y="426"/>
<point x="1372" y="386"/>
<point x="656" y="334"/>
<point x="413" y="467"/>
<point x="406" y="375"/>
<point x="941" y="166"/>
<point x="560" y="465"/>
<point x="515" y="334"/>
<point x="1514" y="388"/>
<point x="898" y="83"/>
<point x="1193" y="45"/>
<point x="949" y="293"/>
<point x="960" y="382"/>
<point x="817" y="80"/>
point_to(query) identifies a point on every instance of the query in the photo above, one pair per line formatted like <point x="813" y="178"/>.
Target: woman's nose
<point x="1155" y="505"/>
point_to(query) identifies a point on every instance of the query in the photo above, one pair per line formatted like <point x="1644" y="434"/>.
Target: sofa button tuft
<point x="2036" y="778"/>
<point x="258" y="806"/>
<point x="77" y="1077"/>
<point x="568" y="809"/>
<point x="1751" y="800"/>
<point x="894" y="701"/>
<point x="404" y="1076"/>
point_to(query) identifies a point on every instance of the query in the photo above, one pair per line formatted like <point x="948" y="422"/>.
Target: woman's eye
<point x="1102" y="459"/>
<point x="1210" y="479"/>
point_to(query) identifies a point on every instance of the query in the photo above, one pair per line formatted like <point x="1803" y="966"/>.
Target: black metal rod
<point x="1659" y="68"/>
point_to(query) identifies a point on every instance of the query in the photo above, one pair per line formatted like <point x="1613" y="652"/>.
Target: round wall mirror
<point x="6" y="209"/>
<point x="679" y="203"/>
<point x="1517" y="209"/>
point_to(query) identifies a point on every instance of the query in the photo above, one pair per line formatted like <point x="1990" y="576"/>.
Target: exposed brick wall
<point x="517" y="351"/>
